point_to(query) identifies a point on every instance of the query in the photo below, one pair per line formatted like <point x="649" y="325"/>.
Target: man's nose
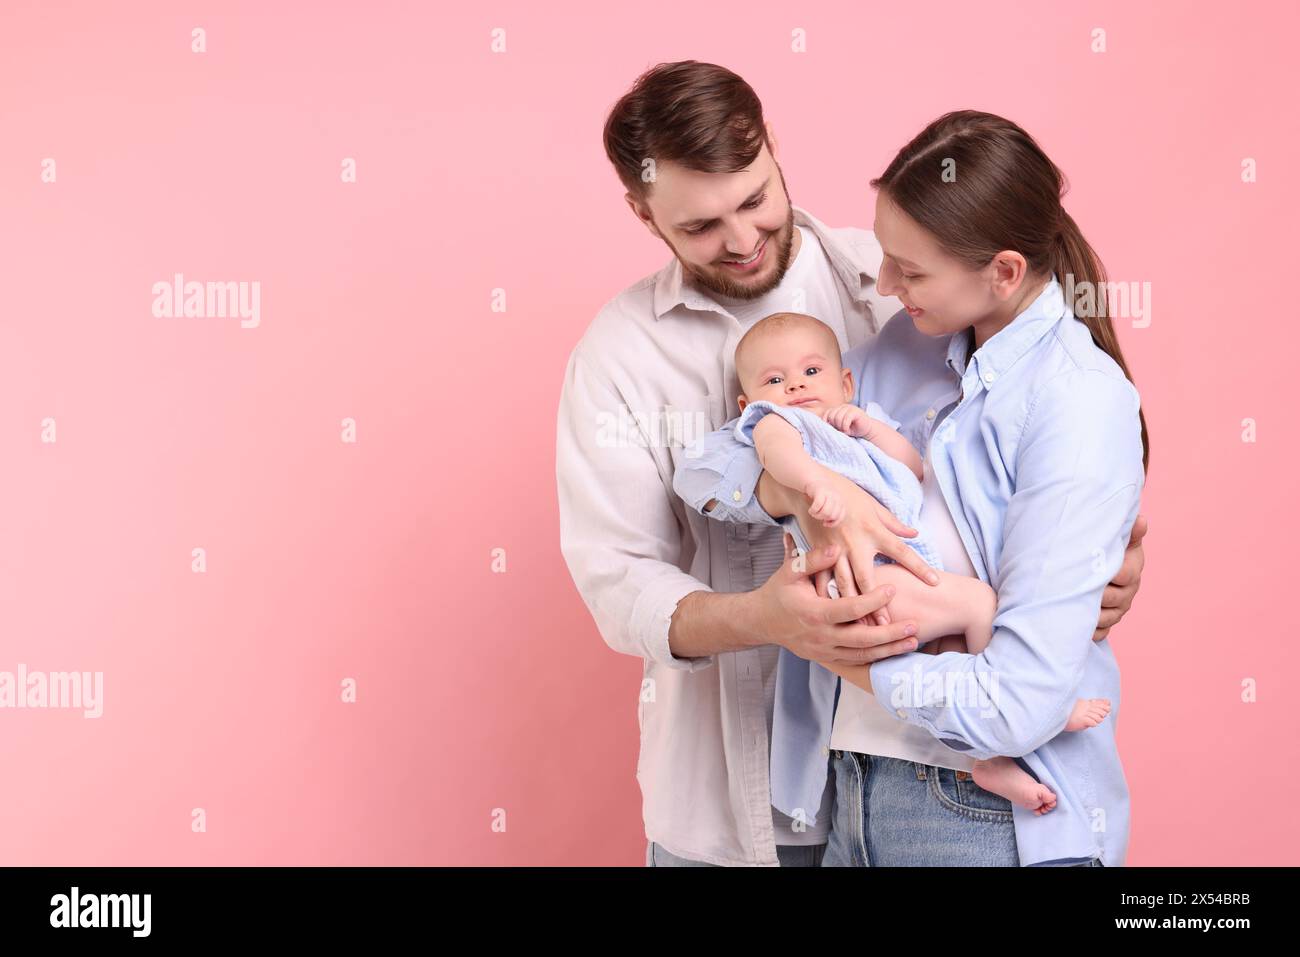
<point x="742" y="240"/>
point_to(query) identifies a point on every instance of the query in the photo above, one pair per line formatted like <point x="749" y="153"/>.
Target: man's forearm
<point x="708" y="622"/>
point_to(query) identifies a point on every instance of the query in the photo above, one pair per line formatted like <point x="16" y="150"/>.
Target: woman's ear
<point x="1009" y="271"/>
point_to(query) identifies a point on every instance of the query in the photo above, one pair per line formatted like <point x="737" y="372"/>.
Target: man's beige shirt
<point x="653" y="371"/>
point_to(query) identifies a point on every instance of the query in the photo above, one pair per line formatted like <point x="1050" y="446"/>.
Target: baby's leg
<point x="1003" y="776"/>
<point x="958" y="605"/>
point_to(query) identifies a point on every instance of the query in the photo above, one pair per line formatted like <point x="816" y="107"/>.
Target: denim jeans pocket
<point x="958" y="792"/>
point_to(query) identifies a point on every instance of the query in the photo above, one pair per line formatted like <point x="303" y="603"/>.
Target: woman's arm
<point x="1078" y="481"/>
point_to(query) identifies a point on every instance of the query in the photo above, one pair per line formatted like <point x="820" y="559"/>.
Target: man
<point x="707" y="604"/>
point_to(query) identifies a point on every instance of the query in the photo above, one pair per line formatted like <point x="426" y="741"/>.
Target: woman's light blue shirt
<point x="1040" y="463"/>
<point x="1041" y="466"/>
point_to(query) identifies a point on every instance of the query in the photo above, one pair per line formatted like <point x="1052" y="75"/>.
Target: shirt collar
<point x="857" y="274"/>
<point x="1005" y="348"/>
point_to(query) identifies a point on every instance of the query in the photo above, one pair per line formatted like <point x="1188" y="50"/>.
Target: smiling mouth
<point x="747" y="263"/>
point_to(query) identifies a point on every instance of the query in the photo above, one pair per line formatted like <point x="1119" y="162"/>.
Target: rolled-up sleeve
<point x="1077" y="488"/>
<point x="618" y="533"/>
<point x="720" y="468"/>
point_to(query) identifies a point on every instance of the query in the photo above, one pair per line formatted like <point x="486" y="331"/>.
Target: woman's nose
<point x="885" y="281"/>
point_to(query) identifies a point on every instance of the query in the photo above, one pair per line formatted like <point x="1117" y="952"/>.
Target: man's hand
<point x="1117" y="599"/>
<point x="790" y="613"/>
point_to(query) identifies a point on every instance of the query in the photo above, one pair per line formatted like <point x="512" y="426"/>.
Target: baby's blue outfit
<point x="806" y="693"/>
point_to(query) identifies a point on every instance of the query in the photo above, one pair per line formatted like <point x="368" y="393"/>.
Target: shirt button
<point x="989" y="377"/>
<point x="735" y="496"/>
<point x="930" y="413"/>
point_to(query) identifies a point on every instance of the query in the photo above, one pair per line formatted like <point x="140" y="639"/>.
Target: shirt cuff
<point x="738" y="485"/>
<point x="900" y="686"/>
<point x="652" y="615"/>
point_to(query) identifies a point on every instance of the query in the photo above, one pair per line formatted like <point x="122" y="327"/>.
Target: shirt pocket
<point x="958" y="792"/>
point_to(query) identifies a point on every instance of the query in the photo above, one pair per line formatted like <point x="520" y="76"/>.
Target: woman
<point x="1034" y="467"/>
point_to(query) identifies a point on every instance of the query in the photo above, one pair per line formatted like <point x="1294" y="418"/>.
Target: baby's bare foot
<point x="1003" y="776"/>
<point x="1088" y="713"/>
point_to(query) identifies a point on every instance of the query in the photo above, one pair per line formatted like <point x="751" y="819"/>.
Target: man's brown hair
<point x="698" y="115"/>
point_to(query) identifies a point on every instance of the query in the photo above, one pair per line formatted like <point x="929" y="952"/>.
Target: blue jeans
<point x="789" y="855"/>
<point x="894" y="813"/>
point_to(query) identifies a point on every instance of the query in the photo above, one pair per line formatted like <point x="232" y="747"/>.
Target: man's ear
<point x="848" y="385"/>
<point x="642" y="212"/>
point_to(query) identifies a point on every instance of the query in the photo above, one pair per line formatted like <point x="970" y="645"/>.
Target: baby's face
<point x="792" y="368"/>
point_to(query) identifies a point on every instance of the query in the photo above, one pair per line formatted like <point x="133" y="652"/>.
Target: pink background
<point x="476" y="171"/>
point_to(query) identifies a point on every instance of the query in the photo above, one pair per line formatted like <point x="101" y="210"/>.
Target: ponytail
<point x="1076" y="263"/>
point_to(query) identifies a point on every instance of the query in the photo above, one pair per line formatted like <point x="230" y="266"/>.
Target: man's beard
<point x="723" y="285"/>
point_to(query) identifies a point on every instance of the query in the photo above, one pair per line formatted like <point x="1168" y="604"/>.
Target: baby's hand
<point x="849" y="419"/>
<point x="825" y="503"/>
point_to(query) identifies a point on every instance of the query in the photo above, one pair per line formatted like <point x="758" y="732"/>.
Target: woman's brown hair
<point x="1004" y="193"/>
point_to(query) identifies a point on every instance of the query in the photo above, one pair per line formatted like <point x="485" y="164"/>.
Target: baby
<point x="792" y="361"/>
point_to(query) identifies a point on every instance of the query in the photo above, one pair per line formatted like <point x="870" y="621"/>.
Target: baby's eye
<point x="773" y="380"/>
<point x="812" y="370"/>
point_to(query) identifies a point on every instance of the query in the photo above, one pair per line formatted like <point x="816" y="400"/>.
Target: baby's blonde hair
<point x="779" y="322"/>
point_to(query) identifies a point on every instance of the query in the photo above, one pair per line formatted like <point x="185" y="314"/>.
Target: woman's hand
<point x="866" y="530"/>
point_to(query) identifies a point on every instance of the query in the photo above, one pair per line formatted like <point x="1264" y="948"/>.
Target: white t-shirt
<point x="809" y="286"/>
<point x="861" y="723"/>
